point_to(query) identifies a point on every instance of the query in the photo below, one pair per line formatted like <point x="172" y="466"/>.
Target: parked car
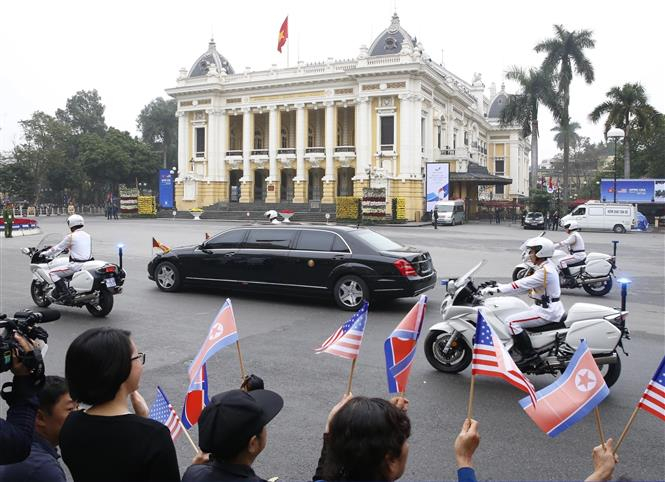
<point x="349" y="264"/>
<point x="450" y="212"/>
<point x="534" y="220"/>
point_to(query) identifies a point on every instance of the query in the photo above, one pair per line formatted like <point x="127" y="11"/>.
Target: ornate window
<point x="285" y="138"/>
<point x="200" y="142"/>
<point x="310" y="137"/>
<point x="233" y="140"/>
<point x="258" y="139"/>
<point x="340" y="137"/>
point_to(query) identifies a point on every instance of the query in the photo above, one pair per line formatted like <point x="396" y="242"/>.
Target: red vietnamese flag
<point x="283" y="34"/>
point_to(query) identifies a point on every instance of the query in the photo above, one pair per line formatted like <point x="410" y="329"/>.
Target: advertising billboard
<point x="637" y="191"/>
<point x="437" y="182"/>
<point x="165" y="189"/>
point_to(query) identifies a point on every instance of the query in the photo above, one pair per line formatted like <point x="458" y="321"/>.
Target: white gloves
<point x="489" y="291"/>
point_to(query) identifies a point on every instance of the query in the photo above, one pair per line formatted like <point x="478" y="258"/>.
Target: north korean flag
<point x="196" y="399"/>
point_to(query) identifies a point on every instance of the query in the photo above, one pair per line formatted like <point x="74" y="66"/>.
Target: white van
<point x="598" y="215"/>
<point x="450" y="212"/>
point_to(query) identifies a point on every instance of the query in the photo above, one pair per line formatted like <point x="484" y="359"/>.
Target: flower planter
<point x="196" y="214"/>
<point x="286" y="214"/>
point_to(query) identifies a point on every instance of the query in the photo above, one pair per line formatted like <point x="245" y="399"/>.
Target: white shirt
<point x="574" y="243"/>
<point x="78" y="243"/>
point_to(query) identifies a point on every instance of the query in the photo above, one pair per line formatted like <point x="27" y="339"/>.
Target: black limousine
<point x="349" y="263"/>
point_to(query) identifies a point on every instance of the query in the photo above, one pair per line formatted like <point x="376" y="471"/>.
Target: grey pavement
<point x="278" y="334"/>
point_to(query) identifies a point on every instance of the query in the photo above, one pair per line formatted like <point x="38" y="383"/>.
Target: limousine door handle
<point x="339" y="256"/>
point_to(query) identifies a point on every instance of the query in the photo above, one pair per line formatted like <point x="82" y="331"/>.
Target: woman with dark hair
<point x="106" y="441"/>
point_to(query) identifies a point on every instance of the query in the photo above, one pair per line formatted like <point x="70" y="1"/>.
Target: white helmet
<point x="543" y="246"/>
<point x="75" y="221"/>
<point x="272" y="214"/>
<point x="571" y="225"/>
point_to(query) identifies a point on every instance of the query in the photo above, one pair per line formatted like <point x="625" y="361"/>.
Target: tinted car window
<point x="377" y="241"/>
<point x="315" y="241"/>
<point x="339" y="246"/>
<point x="269" y="238"/>
<point x="227" y="240"/>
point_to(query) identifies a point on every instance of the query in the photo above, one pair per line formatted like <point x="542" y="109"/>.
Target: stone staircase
<point x="304" y="212"/>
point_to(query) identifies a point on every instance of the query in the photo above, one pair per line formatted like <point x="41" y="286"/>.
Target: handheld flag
<point x="222" y="332"/>
<point x="570" y="398"/>
<point x="345" y="342"/>
<point x="283" y="34"/>
<point x="207" y="237"/>
<point x="491" y="358"/>
<point x="156" y="244"/>
<point x="400" y="347"/>
<point x="162" y="411"/>
<point x="653" y="399"/>
<point x="196" y="399"/>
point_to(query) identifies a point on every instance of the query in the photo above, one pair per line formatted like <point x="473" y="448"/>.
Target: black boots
<point x="523" y="344"/>
<point x="61" y="291"/>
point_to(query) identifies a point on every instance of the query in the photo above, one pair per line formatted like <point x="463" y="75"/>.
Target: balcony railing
<point x="339" y="149"/>
<point x="315" y="150"/>
<point x="387" y="147"/>
<point x="237" y="152"/>
<point x="200" y="154"/>
<point x="259" y="152"/>
<point x="286" y="150"/>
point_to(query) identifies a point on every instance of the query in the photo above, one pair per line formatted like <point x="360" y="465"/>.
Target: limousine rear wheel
<point x="349" y="292"/>
<point x="167" y="276"/>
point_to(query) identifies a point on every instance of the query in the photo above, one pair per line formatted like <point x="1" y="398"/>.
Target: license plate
<point x="110" y="282"/>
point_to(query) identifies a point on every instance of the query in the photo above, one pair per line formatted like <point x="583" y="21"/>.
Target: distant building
<point x="317" y="131"/>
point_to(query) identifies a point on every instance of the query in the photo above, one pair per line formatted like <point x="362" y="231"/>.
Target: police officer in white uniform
<point x="575" y="246"/>
<point x="543" y="286"/>
<point x="79" y="244"/>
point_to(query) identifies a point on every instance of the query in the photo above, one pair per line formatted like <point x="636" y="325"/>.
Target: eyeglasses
<point x="140" y="356"/>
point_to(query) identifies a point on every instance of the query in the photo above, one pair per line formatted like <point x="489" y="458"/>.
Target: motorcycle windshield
<point x="461" y="281"/>
<point x="49" y="240"/>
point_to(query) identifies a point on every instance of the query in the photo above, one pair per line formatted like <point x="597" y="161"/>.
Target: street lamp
<point x="615" y="134"/>
<point x="173" y="171"/>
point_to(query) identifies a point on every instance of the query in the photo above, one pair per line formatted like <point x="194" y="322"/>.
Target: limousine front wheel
<point x="349" y="292"/>
<point x="167" y="276"/>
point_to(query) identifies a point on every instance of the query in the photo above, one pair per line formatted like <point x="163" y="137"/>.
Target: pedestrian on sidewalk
<point x="435" y="217"/>
<point x="8" y="218"/>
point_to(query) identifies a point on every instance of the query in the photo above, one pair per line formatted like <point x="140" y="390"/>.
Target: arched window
<point x="258" y="139"/>
<point x="285" y="138"/>
<point x="310" y="137"/>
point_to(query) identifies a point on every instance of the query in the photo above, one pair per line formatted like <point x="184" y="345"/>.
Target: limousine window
<point x="339" y="246"/>
<point x="315" y="240"/>
<point x="377" y="241"/>
<point x="269" y="238"/>
<point x="227" y="240"/>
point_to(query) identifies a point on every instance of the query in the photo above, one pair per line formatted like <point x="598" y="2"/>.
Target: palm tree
<point x="569" y="134"/>
<point x="562" y="53"/>
<point x="628" y="109"/>
<point x="522" y="108"/>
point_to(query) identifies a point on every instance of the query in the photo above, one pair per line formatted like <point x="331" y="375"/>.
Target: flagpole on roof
<point x="626" y="428"/>
<point x="353" y="367"/>
<point x="599" y="426"/>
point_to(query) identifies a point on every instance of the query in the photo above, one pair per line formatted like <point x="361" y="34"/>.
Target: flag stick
<point x="626" y="428"/>
<point x="196" y="449"/>
<point x="469" y="411"/>
<point x="242" y="365"/>
<point x="353" y="367"/>
<point x="600" y="426"/>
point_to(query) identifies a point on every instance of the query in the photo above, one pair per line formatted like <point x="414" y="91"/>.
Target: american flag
<point x="491" y="358"/>
<point x="162" y="411"/>
<point x="345" y="342"/>
<point x="653" y="399"/>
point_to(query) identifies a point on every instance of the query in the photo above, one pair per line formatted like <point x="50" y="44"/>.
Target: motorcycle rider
<point x="575" y="245"/>
<point x="79" y="244"/>
<point x="543" y="287"/>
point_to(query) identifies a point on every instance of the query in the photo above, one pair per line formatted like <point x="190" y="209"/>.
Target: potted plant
<point x="286" y="214"/>
<point x="196" y="212"/>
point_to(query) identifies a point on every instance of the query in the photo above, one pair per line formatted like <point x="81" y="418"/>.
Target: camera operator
<point x="16" y="432"/>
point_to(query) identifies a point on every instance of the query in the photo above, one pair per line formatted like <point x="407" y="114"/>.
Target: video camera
<point x="24" y="323"/>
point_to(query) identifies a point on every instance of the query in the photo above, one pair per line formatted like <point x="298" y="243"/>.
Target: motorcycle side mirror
<point x="25" y="250"/>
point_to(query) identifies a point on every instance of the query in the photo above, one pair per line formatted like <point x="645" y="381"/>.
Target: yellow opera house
<point x="300" y="137"/>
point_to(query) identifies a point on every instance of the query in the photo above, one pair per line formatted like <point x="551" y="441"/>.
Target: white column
<point x="405" y="121"/>
<point x="330" y="141"/>
<point x="223" y="135"/>
<point x="183" y="142"/>
<point x="429" y="137"/>
<point x="363" y="134"/>
<point x="212" y="151"/>
<point x="300" y="142"/>
<point x="272" y="142"/>
<point x="416" y="159"/>
<point x="246" y="144"/>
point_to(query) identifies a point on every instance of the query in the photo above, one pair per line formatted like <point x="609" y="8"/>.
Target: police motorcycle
<point x="449" y="343"/>
<point x="594" y="274"/>
<point x="93" y="286"/>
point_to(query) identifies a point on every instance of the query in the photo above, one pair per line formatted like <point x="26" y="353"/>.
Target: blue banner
<point x="165" y="189"/>
<point x="628" y="190"/>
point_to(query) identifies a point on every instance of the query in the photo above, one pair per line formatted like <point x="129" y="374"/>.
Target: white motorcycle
<point x="594" y="274"/>
<point x="93" y="286"/>
<point x="449" y="343"/>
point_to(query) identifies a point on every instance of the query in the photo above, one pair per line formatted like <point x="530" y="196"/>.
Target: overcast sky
<point x="130" y="51"/>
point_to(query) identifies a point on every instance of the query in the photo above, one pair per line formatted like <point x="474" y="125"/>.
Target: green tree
<point x="564" y="52"/>
<point x="570" y="135"/>
<point x="84" y="113"/>
<point x="159" y="128"/>
<point x="522" y="108"/>
<point x="628" y="109"/>
<point x="648" y="149"/>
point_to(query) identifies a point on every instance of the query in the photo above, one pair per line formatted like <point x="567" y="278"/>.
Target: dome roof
<point x="497" y="105"/>
<point x="390" y="40"/>
<point x="208" y="59"/>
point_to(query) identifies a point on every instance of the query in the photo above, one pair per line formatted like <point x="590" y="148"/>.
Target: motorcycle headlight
<point x="451" y="287"/>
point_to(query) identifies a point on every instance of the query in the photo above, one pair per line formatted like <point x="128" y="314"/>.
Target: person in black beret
<point x="232" y="429"/>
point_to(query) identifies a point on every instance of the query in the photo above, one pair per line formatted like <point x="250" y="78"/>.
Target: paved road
<point x="277" y="337"/>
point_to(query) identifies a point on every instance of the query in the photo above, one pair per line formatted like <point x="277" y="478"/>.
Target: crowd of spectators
<point x="365" y="439"/>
